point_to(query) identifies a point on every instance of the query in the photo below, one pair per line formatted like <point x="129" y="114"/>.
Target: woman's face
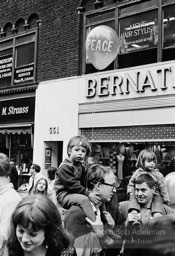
<point x="29" y="240"/>
<point x="41" y="185"/>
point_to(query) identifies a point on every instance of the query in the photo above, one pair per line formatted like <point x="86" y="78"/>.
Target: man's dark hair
<point x="36" y="167"/>
<point x="4" y="165"/>
<point x="51" y="172"/>
<point x="96" y="173"/>
<point x="148" y="179"/>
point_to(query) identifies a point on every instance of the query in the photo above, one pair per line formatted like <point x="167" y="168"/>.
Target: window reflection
<point x="139" y="32"/>
<point x="169" y="26"/>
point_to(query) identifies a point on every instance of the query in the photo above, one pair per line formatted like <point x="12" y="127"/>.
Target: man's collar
<point x="148" y="206"/>
<point x="94" y="208"/>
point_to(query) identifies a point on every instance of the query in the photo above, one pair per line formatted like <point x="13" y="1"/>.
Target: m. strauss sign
<point x="17" y="110"/>
<point x="130" y="83"/>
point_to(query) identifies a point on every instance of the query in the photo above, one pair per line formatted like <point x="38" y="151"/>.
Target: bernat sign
<point x="148" y="81"/>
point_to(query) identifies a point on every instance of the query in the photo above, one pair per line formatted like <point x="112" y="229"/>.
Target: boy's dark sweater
<point x="70" y="179"/>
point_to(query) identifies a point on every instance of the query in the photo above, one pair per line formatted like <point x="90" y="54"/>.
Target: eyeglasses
<point x="114" y="186"/>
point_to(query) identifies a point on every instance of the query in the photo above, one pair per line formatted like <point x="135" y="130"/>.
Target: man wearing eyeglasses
<point x="91" y="238"/>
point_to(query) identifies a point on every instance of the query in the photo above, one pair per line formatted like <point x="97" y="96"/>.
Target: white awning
<point x="16" y="129"/>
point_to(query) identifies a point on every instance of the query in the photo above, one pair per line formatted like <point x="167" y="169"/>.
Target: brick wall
<point x="58" y="50"/>
<point x="145" y="133"/>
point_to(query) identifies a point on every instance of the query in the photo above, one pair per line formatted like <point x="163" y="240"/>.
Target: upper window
<point x="6" y="61"/>
<point x="138" y="32"/>
<point x="146" y="31"/>
<point x="18" y="52"/>
<point x="138" y="35"/>
<point x="169" y="26"/>
<point x="18" y="60"/>
<point x="168" y="33"/>
<point x="105" y="18"/>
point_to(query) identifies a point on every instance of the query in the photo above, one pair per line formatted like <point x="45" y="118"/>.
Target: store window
<point x="169" y="32"/>
<point x="138" y="39"/>
<point x="18" y="60"/>
<point x="146" y="31"/>
<point x="105" y="18"/>
<point x="122" y="157"/>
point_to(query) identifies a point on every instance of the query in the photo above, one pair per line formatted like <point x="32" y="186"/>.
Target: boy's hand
<point x="94" y="198"/>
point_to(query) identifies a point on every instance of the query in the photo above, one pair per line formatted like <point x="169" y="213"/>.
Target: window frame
<point x="14" y="46"/>
<point x="155" y="5"/>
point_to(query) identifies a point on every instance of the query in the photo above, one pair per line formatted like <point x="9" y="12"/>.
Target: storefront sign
<point x="135" y="82"/>
<point x="17" y="110"/>
<point x="23" y="75"/>
<point x="5" y="69"/>
<point x="102" y="46"/>
<point x="139" y="32"/>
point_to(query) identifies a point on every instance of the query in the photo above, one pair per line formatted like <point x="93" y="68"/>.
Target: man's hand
<point x="133" y="217"/>
<point x="94" y="198"/>
<point x="109" y="219"/>
<point x="97" y="225"/>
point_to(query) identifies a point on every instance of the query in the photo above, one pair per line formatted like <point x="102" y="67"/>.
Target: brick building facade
<point x="58" y="34"/>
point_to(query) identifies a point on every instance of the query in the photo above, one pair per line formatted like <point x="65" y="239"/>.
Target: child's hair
<point x="145" y="154"/>
<point x="79" y="141"/>
<point x="51" y="172"/>
<point x="148" y="179"/>
<point x="36" y="212"/>
<point x="35" y="191"/>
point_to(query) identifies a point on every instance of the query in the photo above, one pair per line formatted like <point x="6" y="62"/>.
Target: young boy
<point x="70" y="183"/>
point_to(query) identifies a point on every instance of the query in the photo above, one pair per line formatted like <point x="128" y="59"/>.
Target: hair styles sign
<point x="102" y="46"/>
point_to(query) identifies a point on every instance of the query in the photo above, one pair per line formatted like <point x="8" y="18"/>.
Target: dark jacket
<point x="70" y="179"/>
<point x="76" y="224"/>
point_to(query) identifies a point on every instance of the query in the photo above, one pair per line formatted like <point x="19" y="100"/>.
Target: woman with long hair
<point x="41" y="186"/>
<point x="36" y="229"/>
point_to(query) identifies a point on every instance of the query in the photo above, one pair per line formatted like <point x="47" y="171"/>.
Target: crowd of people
<point x="94" y="223"/>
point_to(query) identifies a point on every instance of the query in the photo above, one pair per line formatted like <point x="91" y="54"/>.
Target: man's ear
<point x="98" y="186"/>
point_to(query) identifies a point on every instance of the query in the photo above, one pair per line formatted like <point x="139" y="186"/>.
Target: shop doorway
<point x="53" y="153"/>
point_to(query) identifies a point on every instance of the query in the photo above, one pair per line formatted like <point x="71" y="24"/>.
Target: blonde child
<point x="146" y="163"/>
